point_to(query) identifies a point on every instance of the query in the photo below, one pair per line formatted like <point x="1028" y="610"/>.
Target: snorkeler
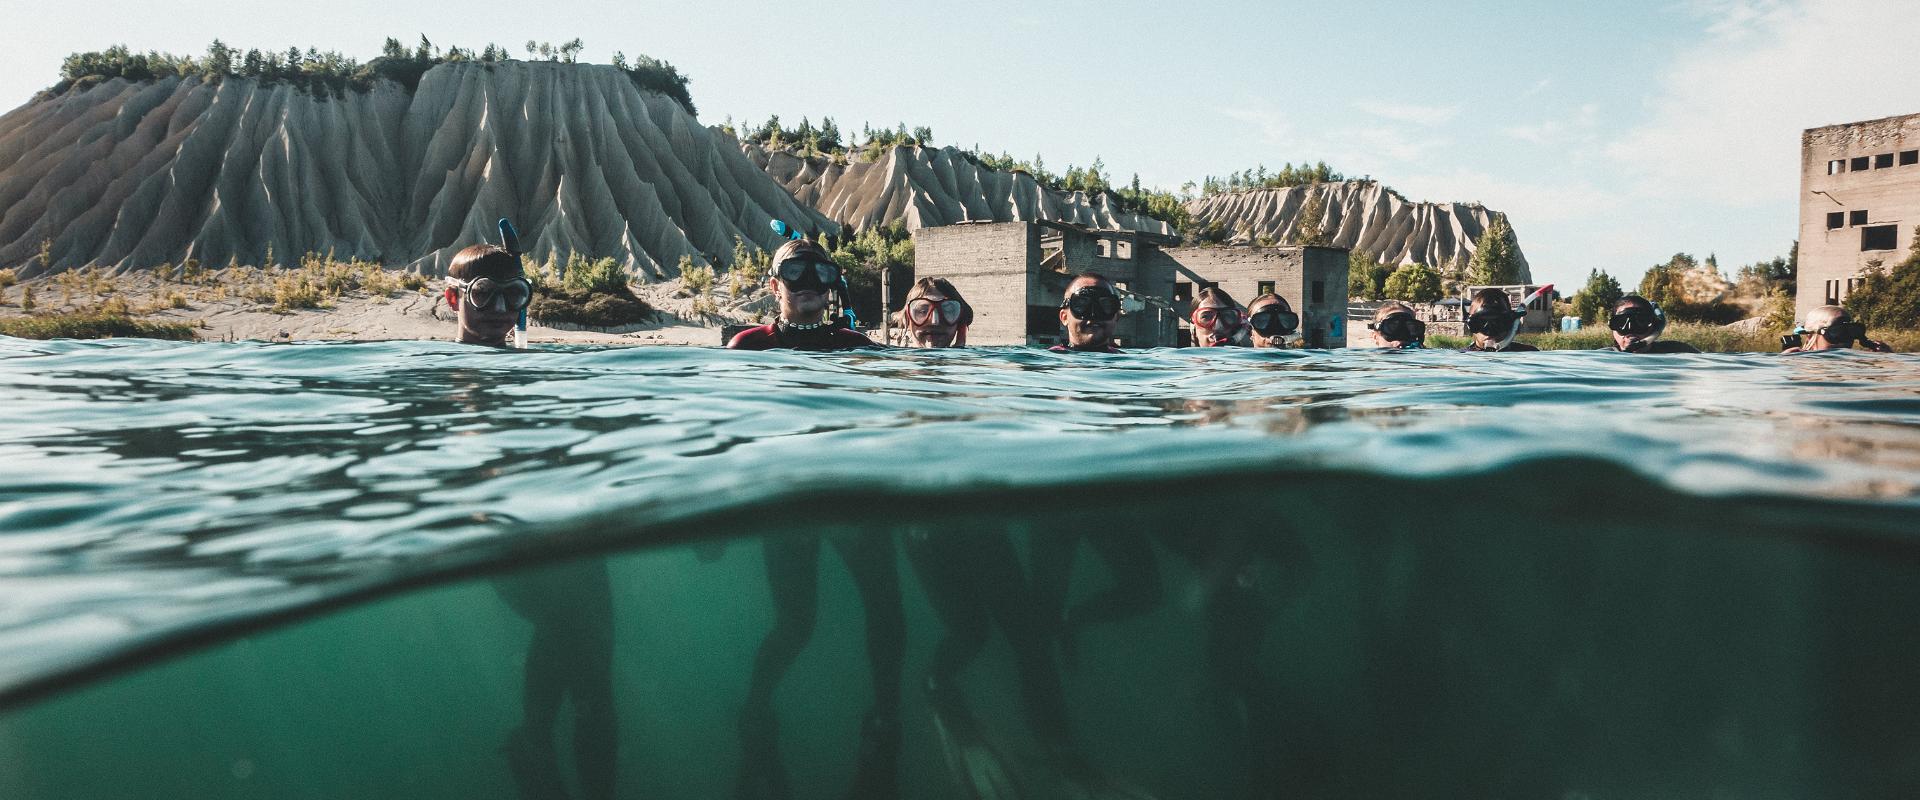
<point x="570" y="606"/>
<point x="804" y="281"/>
<point x="1493" y="322"/>
<point x="1089" y="310"/>
<point x="488" y="292"/>
<point x="1831" y="328"/>
<point x="935" y="315"/>
<point x="1394" y="325"/>
<point x="1270" y="320"/>
<point x="1218" y="319"/>
<point x="1637" y="324"/>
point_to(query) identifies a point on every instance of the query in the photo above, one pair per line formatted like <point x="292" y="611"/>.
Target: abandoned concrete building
<point x="1013" y="274"/>
<point x="1859" y="203"/>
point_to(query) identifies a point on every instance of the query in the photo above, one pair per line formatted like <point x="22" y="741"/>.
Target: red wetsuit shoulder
<point x="760" y="338"/>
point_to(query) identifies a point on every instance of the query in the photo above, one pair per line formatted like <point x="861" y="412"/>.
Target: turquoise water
<point x="243" y="570"/>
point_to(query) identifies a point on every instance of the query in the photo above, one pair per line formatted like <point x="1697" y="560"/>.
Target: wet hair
<point x="795" y="248"/>
<point x="1256" y="301"/>
<point x="1097" y="278"/>
<point x="1489" y="296"/>
<point x="1822" y="316"/>
<point x="1390" y="309"/>
<point x="1215" y="294"/>
<point x="484" y="261"/>
<point x="1633" y="300"/>
<point x="931" y="284"/>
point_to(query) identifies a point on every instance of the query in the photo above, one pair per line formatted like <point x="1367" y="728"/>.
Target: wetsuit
<point x="779" y="335"/>
<point x="1515" y="347"/>
<point x="1061" y="348"/>
<point x="1662" y="346"/>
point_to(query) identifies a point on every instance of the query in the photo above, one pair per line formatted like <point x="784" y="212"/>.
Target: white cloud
<point x="1724" y="125"/>
<point x="1428" y="116"/>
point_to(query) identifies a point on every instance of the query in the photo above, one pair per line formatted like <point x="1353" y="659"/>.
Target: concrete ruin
<point x="1859" y="204"/>
<point x="1013" y="274"/>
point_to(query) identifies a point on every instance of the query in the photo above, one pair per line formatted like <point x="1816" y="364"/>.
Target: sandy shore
<point x="221" y="311"/>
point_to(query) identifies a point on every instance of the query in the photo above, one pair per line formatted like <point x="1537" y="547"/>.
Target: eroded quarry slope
<point x="131" y="175"/>
<point x="932" y="186"/>
<point x="1361" y="215"/>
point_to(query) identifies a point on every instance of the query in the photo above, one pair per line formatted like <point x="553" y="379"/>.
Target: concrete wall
<point x="1830" y="257"/>
<point x="1294" y="271"/>
<point x="988" y="263"/>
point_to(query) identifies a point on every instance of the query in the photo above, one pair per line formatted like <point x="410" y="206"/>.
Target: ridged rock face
<point x="130" y="175"/>
<point x="1361" y="216"/>
<point x="929" y="186"/>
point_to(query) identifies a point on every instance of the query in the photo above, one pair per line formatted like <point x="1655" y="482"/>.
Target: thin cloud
<point x="1428" y="116"/>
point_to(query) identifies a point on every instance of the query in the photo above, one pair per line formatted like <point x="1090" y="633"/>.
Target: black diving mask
<point x="1093" y="304"/>
<point x="1401" y="328"/>
<point x="1637" y="321"/>
<point x="1274" y="322"/>
<point x="1843" y="332"/>
<point x="808" y="274"/>
<point x="1496" y="324"/>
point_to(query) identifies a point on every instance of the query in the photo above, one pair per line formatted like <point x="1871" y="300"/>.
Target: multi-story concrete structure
<point x="1013" y="274"/>
<point x="1859" y="203"/>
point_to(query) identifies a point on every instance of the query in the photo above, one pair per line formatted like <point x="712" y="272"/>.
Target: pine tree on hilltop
<point x="1496" y="257"/>
<point x="1311" y="230"/>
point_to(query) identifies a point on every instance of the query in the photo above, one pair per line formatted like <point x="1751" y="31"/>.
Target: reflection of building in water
<point x="1013" y="274"/>
<point x="1859" y="203"/>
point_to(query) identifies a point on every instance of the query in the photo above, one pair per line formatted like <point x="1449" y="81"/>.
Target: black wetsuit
<point x="1513" y="347"/>
<point x="781" y="336"/>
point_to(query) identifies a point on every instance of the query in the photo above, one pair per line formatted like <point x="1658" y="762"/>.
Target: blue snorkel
<point x="510" y="239"/>
<point x="783" y="229"/>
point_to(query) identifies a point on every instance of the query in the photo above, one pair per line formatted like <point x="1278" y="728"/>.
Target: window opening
<point x="1836" y="219"/>
<point x="1182" y="292"/>
<point x="1883" y="161"/>
<point x="1909" y="158"/>
<point x="1836" y="166"/>
<point x="1858" y="218"/>
<point x="1266" y="287"/>
<point x="1860" y="164"/>
<point x="1879" y="237"/>
<point x="1319" y="291"/>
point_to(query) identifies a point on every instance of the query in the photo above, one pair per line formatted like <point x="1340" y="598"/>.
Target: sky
<point x="1613" y="135"/>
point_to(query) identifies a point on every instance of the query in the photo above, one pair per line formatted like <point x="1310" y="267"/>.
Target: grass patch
<point x="93" y="325"/>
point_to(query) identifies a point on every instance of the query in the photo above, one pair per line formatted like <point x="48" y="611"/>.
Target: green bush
<point x="1414" y="283"/>
<point x="1889" y="298"/>
<point x="1596" y="300"/>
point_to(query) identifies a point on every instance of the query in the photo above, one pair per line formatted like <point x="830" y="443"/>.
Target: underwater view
<point x="428" y="570"/>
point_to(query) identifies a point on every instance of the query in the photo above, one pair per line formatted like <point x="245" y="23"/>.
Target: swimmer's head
<point x="487" y="290"/>
<point x="1216" y="317"/>
<point x="1090" y="311"/>
<point x="935" y="314"/>
<point x="811" y="275"/>
<point x="1636" y="322"/>
<point x="1270" y="320"/>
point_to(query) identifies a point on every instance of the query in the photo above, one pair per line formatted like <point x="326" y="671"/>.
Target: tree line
<point x="329" y="73"/>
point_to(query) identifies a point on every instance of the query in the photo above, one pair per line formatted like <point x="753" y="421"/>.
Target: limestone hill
<point x="932" y="186"/>
<point x="128" y="175"/>
<point x="1362" y="215"/>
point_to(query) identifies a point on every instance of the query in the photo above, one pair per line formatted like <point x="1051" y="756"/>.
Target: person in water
<point x="1493" y="321"/>
<point x="1394" y="325"/>
<point x="935" y="315"/>
<point x="1831" y="328"/>
<point x="1090" y="312"/>
<point x="1218" y="320"/>
<point x="1270" y="320"/>
<point x="803" y="282"/>
<point x="975" y="582"/>
<point x="488" y="291"/>
<point x="1637" y="324"/>
<point x="570" y="606"/>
